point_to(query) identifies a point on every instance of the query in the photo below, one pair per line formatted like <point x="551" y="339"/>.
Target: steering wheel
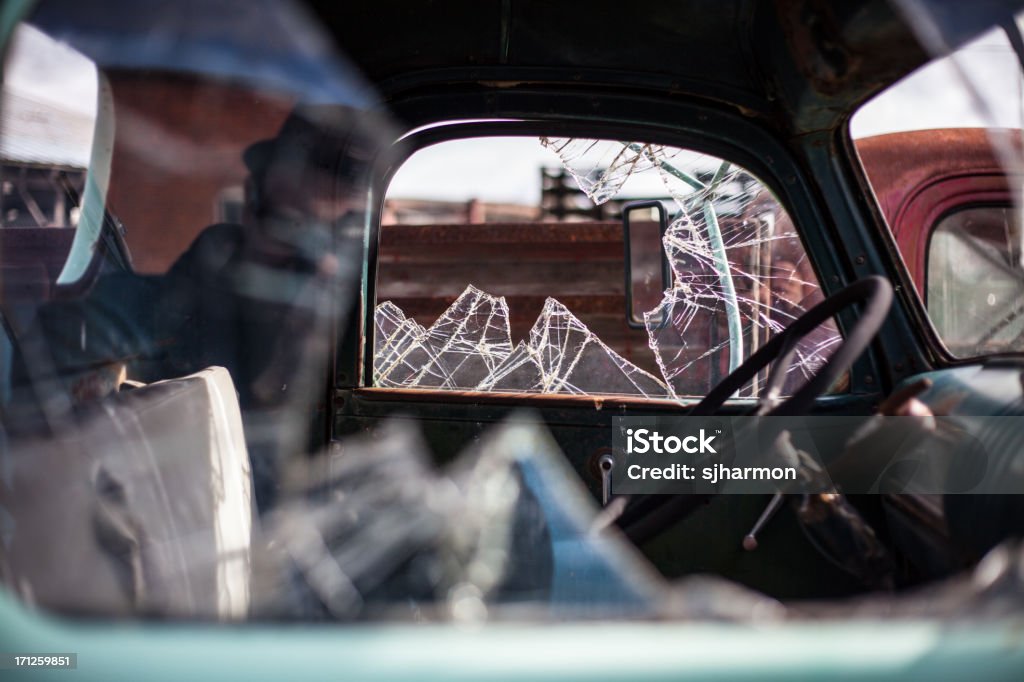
<point x="645" y="516"/>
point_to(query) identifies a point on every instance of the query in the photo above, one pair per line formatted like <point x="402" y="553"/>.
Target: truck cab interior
<point x="334" y="313"/>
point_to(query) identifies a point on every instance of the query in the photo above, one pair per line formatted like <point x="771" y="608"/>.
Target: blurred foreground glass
<point x="181" y="238"/>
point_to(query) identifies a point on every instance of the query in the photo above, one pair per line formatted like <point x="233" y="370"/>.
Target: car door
<point x="452" y="299"/>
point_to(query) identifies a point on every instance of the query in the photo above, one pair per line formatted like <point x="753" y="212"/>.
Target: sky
<point x="935" y="96"/>
<point x="44" y="69"/>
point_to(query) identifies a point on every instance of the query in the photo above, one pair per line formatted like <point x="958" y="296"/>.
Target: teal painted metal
<point x="719" y="258"/>
<point x="865" y="649"/>
<point x="732" y="308"/>
<point x="669" y="168"/>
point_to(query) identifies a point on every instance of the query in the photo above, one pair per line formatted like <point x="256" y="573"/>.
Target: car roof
<point x="799" y="65"/>
<point x="795" y="65"/>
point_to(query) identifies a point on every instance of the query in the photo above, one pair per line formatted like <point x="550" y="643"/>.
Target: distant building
<point x="434" y="212"/>
<point x="44" y="153"/>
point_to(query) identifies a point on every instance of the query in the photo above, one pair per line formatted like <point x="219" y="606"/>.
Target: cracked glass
<point x="183" y="200"/>
<point x="495" y="285"/>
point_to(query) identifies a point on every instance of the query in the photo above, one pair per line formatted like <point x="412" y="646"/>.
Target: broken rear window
<point x="502" y="267"/>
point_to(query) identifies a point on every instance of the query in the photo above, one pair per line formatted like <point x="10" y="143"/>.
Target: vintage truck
<point x="244" y="389"/>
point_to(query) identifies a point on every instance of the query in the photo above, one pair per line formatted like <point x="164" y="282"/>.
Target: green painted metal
<point x="719" y="258"/>
<point x="669" y="168"/>
<point x="721" y="261"/>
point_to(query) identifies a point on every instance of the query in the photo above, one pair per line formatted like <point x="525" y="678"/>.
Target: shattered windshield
<point x="484" y="259"/>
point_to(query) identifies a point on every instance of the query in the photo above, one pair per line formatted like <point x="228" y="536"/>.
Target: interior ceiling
<point x="798" y="65"/>
<point x="801" y="63"/>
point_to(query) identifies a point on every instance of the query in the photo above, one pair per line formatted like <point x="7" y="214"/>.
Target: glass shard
<point x="739" y="271"/>
<point x="739" y="276"/>
<point x="600" y="168"/>
<point x="469" y="340"/>
<point x="459" y="351"/>
<point x="469" y="348"/>
<point x="773" y="286"/>
<point x="385" y="534"/>
<point x="399" y="351"/>
<point x="572" y="359"/>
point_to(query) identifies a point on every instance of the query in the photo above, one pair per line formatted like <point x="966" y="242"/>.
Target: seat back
<point x="143" y="506"/>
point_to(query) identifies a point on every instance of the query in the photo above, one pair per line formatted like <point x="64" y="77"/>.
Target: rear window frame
<point x="770" y="173"/>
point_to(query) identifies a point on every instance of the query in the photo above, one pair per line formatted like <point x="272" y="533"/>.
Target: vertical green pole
<point x="718" y="255"/>
<point x="732" y="308"/>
